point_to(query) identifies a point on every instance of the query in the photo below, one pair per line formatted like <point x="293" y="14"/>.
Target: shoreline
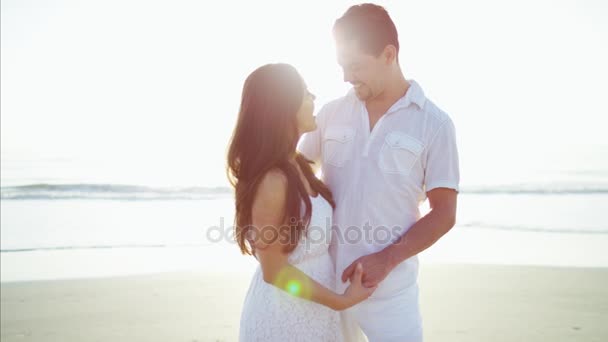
<point x="463" y="245"/>
<point x="459" y="302"/>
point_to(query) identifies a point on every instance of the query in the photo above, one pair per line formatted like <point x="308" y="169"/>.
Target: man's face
<point x="364" y="71"/>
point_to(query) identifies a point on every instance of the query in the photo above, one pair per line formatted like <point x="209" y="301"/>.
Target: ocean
<point x="78" y="226"/>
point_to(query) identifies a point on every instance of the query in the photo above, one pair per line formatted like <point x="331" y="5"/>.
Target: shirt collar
<point x="415" y="95"/>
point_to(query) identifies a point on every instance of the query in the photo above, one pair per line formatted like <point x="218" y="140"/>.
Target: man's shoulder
<point x="434" y="114"/>
<point x="429" y="112"/>
<point x="336" y="106"/>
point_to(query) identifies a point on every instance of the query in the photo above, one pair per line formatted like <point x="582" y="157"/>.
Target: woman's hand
<point x="356" y="292"/>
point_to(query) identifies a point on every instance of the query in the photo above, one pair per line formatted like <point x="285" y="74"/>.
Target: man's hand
<point x="419" y="237"/>
<point x="376" y="267"/>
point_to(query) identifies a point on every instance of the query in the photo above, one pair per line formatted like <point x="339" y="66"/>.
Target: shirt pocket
<point x="337" y="143"/>
<point x="399" y="153"/>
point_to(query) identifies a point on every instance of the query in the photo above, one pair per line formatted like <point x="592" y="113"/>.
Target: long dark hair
<point x="265" y="138"/>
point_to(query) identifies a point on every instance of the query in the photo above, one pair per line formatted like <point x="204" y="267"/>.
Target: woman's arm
<point x="268" y="215"/>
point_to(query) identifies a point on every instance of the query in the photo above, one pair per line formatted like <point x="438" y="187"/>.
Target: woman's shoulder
<point x="272" y="189"/>
<point x="274" y="179"/>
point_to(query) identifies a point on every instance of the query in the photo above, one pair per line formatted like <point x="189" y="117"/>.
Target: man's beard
<point x="363" y="93"/>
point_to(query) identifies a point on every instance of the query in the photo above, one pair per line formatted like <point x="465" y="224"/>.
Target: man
<point x="383" y="149"/>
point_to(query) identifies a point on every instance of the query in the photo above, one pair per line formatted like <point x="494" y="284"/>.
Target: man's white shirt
<point x="380" y="177"/>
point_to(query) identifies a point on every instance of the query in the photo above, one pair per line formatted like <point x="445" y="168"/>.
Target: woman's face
<point x="305" y="119"/>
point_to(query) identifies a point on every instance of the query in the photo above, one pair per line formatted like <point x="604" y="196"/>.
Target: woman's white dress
<point x="271" y="314"/>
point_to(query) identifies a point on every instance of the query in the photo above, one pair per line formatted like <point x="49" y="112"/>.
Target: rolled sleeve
<point x="310" y="143"/>
<point x="442" y="166"/>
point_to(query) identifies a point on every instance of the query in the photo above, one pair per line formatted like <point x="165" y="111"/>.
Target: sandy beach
<point x="459" y="303"/>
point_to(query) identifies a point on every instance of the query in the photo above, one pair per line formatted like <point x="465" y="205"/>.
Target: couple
<point x="338" y="257"/>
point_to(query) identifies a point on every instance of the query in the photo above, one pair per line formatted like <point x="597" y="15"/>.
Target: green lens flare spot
<point x="294" y="287"/>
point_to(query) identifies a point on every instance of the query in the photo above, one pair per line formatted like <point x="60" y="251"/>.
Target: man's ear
<point x="390" y="53"/>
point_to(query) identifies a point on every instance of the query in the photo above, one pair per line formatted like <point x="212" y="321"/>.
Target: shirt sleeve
<point x="442" y="167"/>
<point x="310" y="143"/>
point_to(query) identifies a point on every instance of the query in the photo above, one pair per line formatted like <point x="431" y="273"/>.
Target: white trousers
<point x="385" y="319"/>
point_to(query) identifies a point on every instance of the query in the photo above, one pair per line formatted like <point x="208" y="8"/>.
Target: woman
<point x="279" y="205"/>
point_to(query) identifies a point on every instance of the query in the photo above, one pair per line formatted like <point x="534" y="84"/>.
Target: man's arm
<point x="311" y="143"/>
<point x="310" y="146"/>
<point x="427" y="230"/>
<point x="441" y="179"/>
<point x="422" y="235"/>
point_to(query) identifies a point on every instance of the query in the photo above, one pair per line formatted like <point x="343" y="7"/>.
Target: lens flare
<point x="294" y="287"/>
<point x="294" y="284"/>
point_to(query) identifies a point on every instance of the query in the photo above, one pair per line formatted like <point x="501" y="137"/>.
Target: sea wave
<point x="538" y="189"/>
<point x="60" y="248"/>
<point x="531" y="229"/>
<point x="110" y="192"/>
<point x="478" y="225"/>
<point x="45" y="191"/>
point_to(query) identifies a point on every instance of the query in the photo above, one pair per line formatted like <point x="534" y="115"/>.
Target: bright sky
<point x="152" y="87"/>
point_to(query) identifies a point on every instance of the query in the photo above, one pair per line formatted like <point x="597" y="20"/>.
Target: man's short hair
<point x="369" y="25"/>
